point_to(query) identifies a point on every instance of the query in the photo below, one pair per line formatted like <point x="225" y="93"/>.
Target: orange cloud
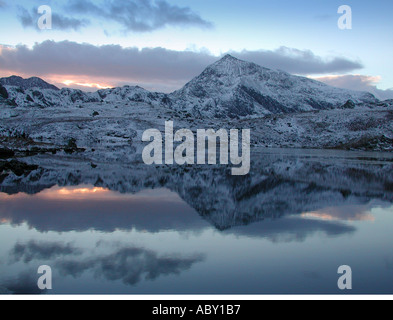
<point x="342" y="79"/>
<point x="88" y="193"/>
<point x="73" y="83"/>
<point x="359" y="83"/>
<point x="346" y="213"/>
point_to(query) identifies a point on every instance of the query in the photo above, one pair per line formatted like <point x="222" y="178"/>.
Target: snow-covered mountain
<point x="66" y="97"/>
<point x="228" y="94"/>
<point x="230" y="88"/>
<point x="234" y="88"/>
<point x="130" y="94"/>
<point x="30" y="83"/>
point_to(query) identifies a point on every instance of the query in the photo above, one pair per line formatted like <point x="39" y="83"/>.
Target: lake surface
<point x="285" y="228"/>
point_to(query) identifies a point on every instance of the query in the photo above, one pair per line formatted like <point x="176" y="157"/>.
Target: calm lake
<point x="285" y="228"/>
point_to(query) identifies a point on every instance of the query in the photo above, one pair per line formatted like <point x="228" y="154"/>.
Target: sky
<point x="161" y="44"/>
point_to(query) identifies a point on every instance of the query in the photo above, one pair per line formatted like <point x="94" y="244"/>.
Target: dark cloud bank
<point x="152" y="65"/>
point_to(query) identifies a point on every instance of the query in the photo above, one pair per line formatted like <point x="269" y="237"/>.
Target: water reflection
<point x="130" y="265"/>
<point x="138" y="229"/>
<point x="343" y="213"/>
<point x="32" y="250"/>
<point x="65" y="209"/>
<point x="23" y="283"/>
<point x="292" y="229"/>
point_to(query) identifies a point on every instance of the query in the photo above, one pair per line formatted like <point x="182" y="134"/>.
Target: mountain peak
<point x="229" y="57"/>
<point x="231" y="67"/>
<point x="229" y="60"/>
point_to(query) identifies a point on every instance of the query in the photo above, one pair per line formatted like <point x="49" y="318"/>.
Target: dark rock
<point x="380" y="143"/>
<point x="6" y="153"/>
<point x="2" y="177"/>
<point x="18" y="168"/>
<point x="3" y="92"/>
<point x="349" y="105"/>
<point x="12" y="103"/>
<point x="72" y="147"/>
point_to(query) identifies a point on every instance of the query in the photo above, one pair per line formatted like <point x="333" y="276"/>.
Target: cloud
<point x="59" y="22"/>
<point x="41" y="251"/>
<point x="130" y="265"/>
<point x="24" y="283"/>
<point x="148" y="67"/>
<point x="67" y="57"/>
<point x="359" y="83"/>
<point x="139" y="15"/>
<point x="292" y="229"/>
<point x="296" y="61"/>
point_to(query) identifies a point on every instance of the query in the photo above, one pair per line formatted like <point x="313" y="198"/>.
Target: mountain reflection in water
<point x="285" y="228"/>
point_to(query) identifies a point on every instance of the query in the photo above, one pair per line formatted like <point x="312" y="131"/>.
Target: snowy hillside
<point x="66" y="98"/>
<point x="229" y="94"/>
<point x="234" y="88"/>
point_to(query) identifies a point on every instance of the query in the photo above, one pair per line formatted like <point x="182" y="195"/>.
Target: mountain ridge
<point x="229" y="88"/>
<point x="30" y="83"/>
